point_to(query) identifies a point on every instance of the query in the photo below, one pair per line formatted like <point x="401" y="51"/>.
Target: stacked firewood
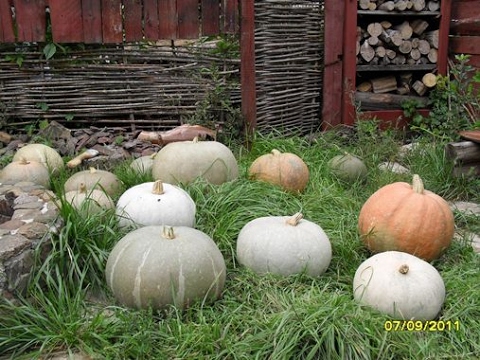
<point x="399" y="5"/>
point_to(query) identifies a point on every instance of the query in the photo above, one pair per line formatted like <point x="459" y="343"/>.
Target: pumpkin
<point x="25" y="170"/>
<point x="155" y="203"/>
<point x="408" y="218"/>
<point x="41" y="153"/>
<point x="94" y="178"/>
<point x="284" y="245"/>
<point x="159" y="266"/>
<point x="286" y="170"/>
<point x="400" y="285"/>
<point x="143" y="164"/>
<point x="89" y="201"/>
<point x="185" y="161"/>
<point x="348" y="167"/>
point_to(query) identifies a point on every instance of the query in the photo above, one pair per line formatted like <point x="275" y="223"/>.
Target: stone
<point x="393" y="167"/>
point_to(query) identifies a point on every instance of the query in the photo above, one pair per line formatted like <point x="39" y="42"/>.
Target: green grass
<point x="68" y="306"/>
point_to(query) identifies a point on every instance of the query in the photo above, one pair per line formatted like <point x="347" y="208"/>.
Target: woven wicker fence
<point x="155" y="87"/>
<point x="289" y="64"/>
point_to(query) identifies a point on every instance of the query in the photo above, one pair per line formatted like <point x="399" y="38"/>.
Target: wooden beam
<point x="247" y="65"/>
<point x="67" y="23"/>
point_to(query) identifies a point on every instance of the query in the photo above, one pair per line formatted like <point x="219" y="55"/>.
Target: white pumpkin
<point x="94" y="178"/>
<point x="159" y="266"/>
<point x="143" y="164"/>
<point x="89" y="201"/>
<point x="400" y="285"/>
<point x="185" y="161"/>
<point x="348" y="167"/>
<point x="155" y="203"/>
<point x="41" y="153"/>
<point x="25" y="170"/>
<point x="284" y="245"/>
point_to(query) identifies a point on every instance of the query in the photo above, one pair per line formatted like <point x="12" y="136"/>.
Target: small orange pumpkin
<point x="284" y="169"/>
<point x="408" y="218"/>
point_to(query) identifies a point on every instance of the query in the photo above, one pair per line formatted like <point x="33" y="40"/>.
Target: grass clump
<point x="68" y="307"/>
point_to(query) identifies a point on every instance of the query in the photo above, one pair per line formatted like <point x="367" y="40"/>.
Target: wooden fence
<point x="115" y="21"/>
<point x="465" y="30"/>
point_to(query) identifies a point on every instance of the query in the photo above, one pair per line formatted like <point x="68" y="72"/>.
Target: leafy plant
<point x="455" y="102"/>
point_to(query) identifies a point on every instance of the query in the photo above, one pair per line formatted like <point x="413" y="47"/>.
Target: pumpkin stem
<point x="92" y="170"/>
<point x="195" y="139"/>
<point x="82" y="188"/>
<point x="168" y="233"/>
<point x="403" y="269"/>
<point x="295" y="219"/>
<point x="417" y="184"/>
<point x="158" y="188"/>
<point x="275" y="152"/>
<point x="24" y="161"/>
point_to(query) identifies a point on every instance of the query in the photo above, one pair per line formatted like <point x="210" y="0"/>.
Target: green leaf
<point x="49" y="50"/>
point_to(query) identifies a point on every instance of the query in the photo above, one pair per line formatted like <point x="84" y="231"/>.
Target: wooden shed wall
<point x="465" y="30"/>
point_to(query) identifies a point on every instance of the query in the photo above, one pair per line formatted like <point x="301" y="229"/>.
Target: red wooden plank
<point x="465" y="45"/>
<point x="230" y="16"/>
<point x="210" y="17"/>
<point x="92" y="21"/>
<point x="247" y="65"/>
<point x="188" y="19"/>
<point x="7" y="33"/>
<point x="112" y="27"/>
<point x="150" y="18"/>
<point x="465" y="9"/>
<point x="167" y="17"/>
<point x="445" y="9"/>
<point x="349" y="62"/>
<point x="67" y="22"/>
<point x="332" y="74"/>
<point x="133" y="20"/>
<point x="31" y="20"/>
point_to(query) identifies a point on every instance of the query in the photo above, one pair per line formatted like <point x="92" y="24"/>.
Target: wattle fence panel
<point x="115" y="21"/>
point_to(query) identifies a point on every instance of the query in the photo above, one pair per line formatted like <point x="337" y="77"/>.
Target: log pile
<point x="406" y="43"/>
<point x="399" y="5"/>
<point x="465" y="156"/>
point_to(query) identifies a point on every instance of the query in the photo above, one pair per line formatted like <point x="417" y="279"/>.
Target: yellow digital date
<point x="419" y="325"/>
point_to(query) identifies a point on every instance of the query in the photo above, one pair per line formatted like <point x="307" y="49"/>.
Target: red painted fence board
<point x="210" y="17"/>
<point x="66" y="18"/>
<point x="116" y="21"/>
<point x="150" y="18"/>
<point x="167" y="14"/>
<point x="92" y="21"/>
<point x="187" y="16"/>
<point x="133" y="20"/>
<point x="7" y="34"/>
<point x="112" y="21"/>
<point x="31" y="20"/>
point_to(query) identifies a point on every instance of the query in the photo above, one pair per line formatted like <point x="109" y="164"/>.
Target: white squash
<point x="94" y="178"/>
<point x="89" y="201"/>
<point x="159" y="266"/>
<point x="284" y="245"/>
<point x="400" y="285"/>
<point x="25" y="170"/>
<point x="143" y="164"/>
<point x="155" y="203"/>
<point x="348" y="167"/>
<point x="185" y="161"/>
<point x="41" y="153"/>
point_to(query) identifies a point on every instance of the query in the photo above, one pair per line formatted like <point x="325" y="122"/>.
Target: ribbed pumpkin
<point x="155" y="203"/>
<point x="348" y="167"/>
<point x="41" y="153"/>
<point x="89" y="201"/>
<point x="284" y="245"/>
<point x="94" y="178"/>
<point x="25" y="170"/>
<point x="400" y="285"/>
<point x="184" y="161"/>
<point x="406" y="217"/>
<point x="286" y="170"/>
<point x="159" y="266"/>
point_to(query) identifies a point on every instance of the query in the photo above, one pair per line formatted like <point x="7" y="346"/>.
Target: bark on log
<point x="370" y="101"/>
<point x="384" y="84"/>
<point x="419" y="87"/>
<point x="467" y="170"/>
<point x="419" y="26"/>
<point x="463" y="152"/>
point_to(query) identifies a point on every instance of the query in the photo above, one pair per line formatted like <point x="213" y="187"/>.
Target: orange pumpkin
<point x="283" y="169"/>
<point x="408" y="218"/>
